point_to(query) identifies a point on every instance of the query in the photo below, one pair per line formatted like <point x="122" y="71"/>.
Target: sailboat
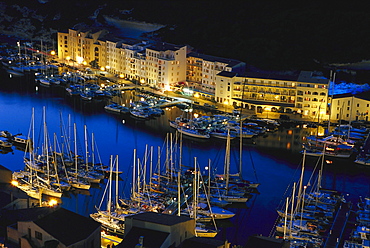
<point x="112" y="219"/>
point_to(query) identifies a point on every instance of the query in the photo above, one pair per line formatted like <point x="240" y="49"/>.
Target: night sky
<point x="271" y="35"/>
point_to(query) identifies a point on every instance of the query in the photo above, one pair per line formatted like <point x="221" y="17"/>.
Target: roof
<point x="363" y="95"/>
<point x="196" y="242"/>
<point x="265" y="242"/>
<point x="163" y="219"/>
<point x="4" y="168"/>
<point x="151" y="238"/>
<point x="227" y="74"/>
<point x="67" y="226"/>
<point x="229" y="62"/>
<point x="163" y="46"/>
<point x="8" y="217"/>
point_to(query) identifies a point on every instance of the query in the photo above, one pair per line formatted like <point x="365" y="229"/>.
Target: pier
<point x="335" y="237"/>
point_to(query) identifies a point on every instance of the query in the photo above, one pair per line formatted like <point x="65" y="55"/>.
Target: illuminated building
<point x="202" y="69"/>
<point x="304" y="93"/>
<point x="350" y="107"/>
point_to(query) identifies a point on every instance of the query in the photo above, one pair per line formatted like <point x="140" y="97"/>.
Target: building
<point x="202" y="69"/>
<point x="257" y="241"/>
<point x="82" y="45"/>
<point x="304" y="93"/>
<point x="159" y="64"/>
<point x="151" y="229"/>
<point x="204" y="243"/>
<point x="60" y="227"/>
<point x="350" y="107"/>
<point x="165" y="65"/>
<point x="5" y="175"/>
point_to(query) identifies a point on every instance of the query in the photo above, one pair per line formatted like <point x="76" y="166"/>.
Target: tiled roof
<point x="151" y="238"/>
<point x="67" y="226"/>
<point x="230" y="62"/>
<point x="163" y="219"/>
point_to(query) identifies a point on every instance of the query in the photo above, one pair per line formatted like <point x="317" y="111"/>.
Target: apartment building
<point x="165" y="65"/>
<point x="202" y="69"/>
<point x="304" y="93"/>
<point x="350" y="107"/>
<point x="82" y="46"/>
<point x="159" y="64"/>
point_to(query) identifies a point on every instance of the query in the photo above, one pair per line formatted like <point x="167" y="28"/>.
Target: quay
<point x="335" y="237"/>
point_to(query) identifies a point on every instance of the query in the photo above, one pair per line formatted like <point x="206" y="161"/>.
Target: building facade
<point x="304" y="93"/>
<point x="61" y="227"/>
<point x="202" y="69"/>
<point x="350" y="107"/>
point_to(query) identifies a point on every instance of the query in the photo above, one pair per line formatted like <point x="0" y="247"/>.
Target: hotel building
<point x="304" y="93"/>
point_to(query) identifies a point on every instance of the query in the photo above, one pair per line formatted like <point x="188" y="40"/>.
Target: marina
<point x="273" y="164"/>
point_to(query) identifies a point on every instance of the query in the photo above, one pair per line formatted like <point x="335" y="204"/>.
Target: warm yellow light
<point x="84" y="63"/>
<point x="52" y="52"/>
<point x="167" y="87"/>
<point x="121" y="75"/>
<point x="68" y="58"/>
<point x="79" y="59"/>
<point x="142" y="80"/>
<point x="14" y="183"/>
<point x="102" y="68"/>
<point x="102" y="85"/>
<point x="108" y="67"/>
<point x="196" y="115"/>
<point x="52" y="202"/>
<point x="267" y="108"/>
<point x="196" y="95"/>
<point x="226" y="102"/>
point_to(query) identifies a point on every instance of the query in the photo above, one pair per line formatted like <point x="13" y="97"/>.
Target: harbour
<point x="273" y="160"/>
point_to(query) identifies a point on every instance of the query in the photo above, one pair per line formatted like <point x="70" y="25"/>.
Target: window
<point x="38" y="235"/>
<point x="358" y="105"/>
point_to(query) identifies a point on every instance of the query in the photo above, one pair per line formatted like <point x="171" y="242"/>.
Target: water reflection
<point x="273" y="160"/>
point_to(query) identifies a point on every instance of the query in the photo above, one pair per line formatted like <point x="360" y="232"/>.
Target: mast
<point x="151" y="167"/>
<point x="75" y="146"/>
<point x="86" y="150"/>
<point x="133" y="189"/>
<point x="46" y="147"/>
<point x="331" y="100"/>
<point x="286" y="216"/>
<point x="227" y="160"/>
<point x="117" y="205"/>
<point x="110" y="187"/>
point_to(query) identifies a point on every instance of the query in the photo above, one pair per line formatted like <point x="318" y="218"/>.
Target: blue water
<point x="274" y="161"/>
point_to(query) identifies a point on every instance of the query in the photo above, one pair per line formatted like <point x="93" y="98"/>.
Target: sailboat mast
<point x="117" y="205"/>
<point x="75" y="146"/>
<point x="286" y="216"/>
<point x="331" y="100"/>
<point x="110" y="187"/>
<point x="86" y="149"/>
<point x="134" y="175"/>
<point x="151" y="167"/>
<point x="227" y="160"/>
<point x="292" y="207"/>
<point x="195" y="193"/>
<point x="46" y="146"/>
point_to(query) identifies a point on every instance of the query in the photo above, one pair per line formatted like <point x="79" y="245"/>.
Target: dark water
<point x="274" y="161"/>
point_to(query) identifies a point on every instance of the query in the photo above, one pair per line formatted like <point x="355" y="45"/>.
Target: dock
<point x="335" y="237"/>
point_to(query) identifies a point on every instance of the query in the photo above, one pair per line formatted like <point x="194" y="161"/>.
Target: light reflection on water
<point x="273" y="160"/>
